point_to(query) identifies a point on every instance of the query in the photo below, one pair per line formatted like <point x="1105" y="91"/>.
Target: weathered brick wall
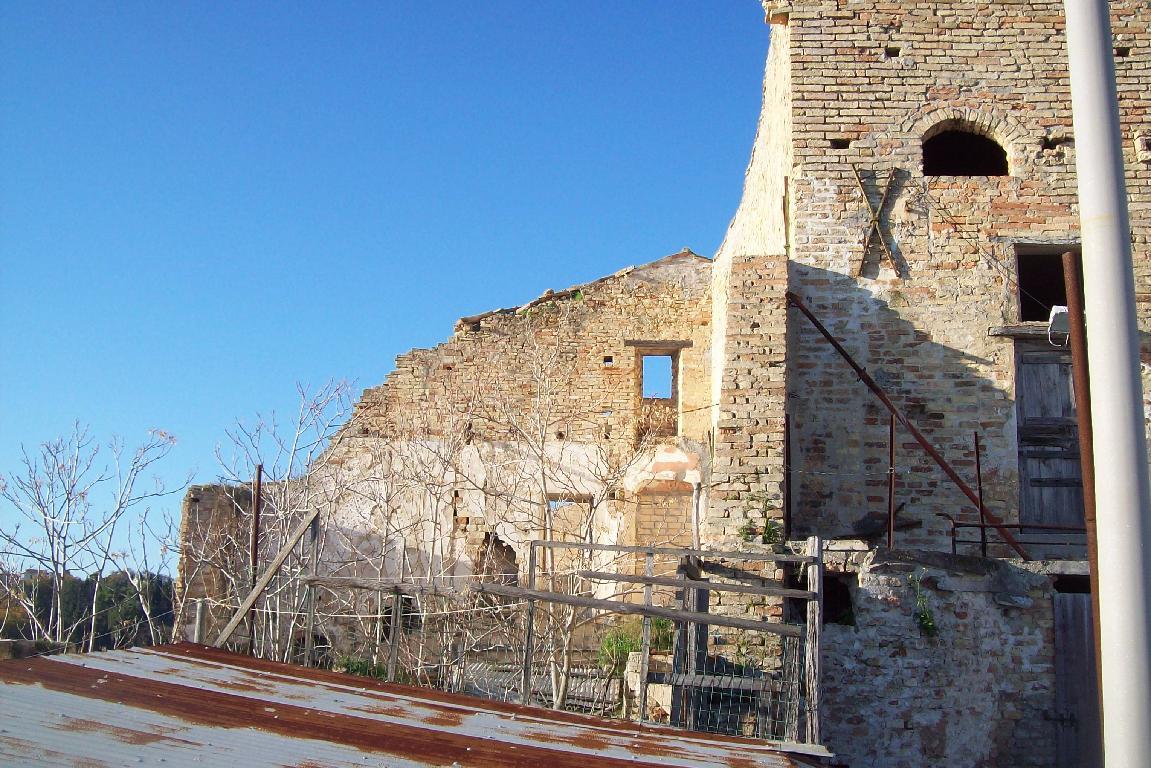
<point x="545" y="397"/>
<point x="749" y="339"/>
<point x="868" y="80"/>
<point x="980" y="692"/>
<point x="557" y="347"/>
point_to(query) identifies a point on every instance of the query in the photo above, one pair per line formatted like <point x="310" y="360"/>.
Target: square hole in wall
<point x="840" y="143"/>
<point x="1041" y="287"/>
<point x="608" y="361"/>
<point x="891" y="52"/>
<point x="1122" y="51"/>
<point x="657" y="376"/>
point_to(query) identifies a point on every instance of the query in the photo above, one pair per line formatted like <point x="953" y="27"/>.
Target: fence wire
<point x="584" y="660"/>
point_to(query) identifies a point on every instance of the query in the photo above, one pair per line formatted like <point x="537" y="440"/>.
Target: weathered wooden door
<point x="1050" y="484"/>
<point x="1078" y="740"/>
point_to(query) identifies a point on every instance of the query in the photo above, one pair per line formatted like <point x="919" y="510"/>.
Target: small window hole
<point x="840" y="143"/>
<point x="1122" y="51"/>
<point x="1041" y="285"/>
<point x="657" y="375"/>
<point x="891" y="52"/>
<point x="608" y="361"/>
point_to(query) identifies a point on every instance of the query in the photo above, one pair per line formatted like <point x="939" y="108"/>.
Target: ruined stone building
<point x="912" y="185"/>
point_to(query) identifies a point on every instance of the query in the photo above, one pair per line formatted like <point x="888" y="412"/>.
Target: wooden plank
<point x="1078" y="736"/>
<point x="813" y="656"/>
<point x="614" y="606"/>
<point x="711" y="681"/>
<point x="669" y="581"/>
<point x="756" y="556"/>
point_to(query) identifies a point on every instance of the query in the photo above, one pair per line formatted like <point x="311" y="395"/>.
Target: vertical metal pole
<point x="394" y="640"/>
<point x="254" y="552"/>
<point x="979" y="490"/>
<point x="649" y="570"/>
<point x="891" y="484"/>
<point x="1121" y="482"/>
<point x="526" y="675"/>
<point x="1080" y="376"/>
<point x="813" y="664"/>
<point x="786" y="476"/>
<point x="310" y="625"/>
<point x="198" y="627"/>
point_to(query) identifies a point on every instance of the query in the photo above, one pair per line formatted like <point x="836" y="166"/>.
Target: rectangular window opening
<point x="1041" y="284"/>
<point x="657" y="377"/>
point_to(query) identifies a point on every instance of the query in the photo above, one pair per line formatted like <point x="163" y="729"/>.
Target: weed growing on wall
<point x="924" y="616"/>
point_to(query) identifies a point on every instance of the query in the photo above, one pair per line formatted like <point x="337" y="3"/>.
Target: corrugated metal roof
<point x="191" y="705"/>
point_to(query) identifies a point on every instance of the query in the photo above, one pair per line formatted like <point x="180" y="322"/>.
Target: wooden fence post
<point x="812" y="661"/>
<point x="649" y="571"/>
<point x="394" y="639"/>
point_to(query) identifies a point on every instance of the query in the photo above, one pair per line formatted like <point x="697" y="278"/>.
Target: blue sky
<point x="202" y="205"/>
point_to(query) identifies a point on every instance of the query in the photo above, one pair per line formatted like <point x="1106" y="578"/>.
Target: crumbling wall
<point x="580" y="346"/>
<point x="540" y="400"/>
<point x="978" y="691"/>
<point x="215" y="530"/>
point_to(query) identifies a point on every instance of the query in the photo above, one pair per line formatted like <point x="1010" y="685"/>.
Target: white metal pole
<point x="1122" y="495"/>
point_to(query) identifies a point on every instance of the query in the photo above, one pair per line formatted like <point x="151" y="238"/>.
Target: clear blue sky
<point x="203" y="204"/>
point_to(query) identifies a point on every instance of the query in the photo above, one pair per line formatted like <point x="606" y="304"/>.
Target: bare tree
<point x="295" y="483"/>
<point x="67" y="505"/>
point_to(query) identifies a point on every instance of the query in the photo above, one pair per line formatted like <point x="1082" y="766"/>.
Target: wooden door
<point x="1078" y="738"/>
<point x="1050" y="484"/>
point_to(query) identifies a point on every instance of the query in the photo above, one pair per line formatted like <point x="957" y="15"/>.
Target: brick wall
<point x="861" y="84"/>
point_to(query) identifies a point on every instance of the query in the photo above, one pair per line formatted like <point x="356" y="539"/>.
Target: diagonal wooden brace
<point x="875" y="223"/>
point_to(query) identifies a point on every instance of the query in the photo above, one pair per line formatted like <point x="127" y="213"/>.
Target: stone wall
<point x="979" y="692"/>
<point x="215" y="531"/>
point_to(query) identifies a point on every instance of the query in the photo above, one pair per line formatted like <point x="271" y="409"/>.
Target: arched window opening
<point x="963" y="153"/>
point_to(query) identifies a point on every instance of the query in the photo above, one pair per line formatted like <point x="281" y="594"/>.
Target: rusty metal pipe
<point x="979" y="490"/>
<point x="1081" y="380"/>
<point x="877" y="390"/>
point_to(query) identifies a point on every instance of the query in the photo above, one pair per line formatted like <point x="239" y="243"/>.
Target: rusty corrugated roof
<point x="188" y="704"/>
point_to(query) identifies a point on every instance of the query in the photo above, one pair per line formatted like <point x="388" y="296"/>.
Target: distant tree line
<point x="98" y="613"/>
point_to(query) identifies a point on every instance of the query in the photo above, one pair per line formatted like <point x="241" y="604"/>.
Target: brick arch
<point x="1001" y="128"/>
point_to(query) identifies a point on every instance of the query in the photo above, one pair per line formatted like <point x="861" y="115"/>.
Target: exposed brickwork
<point x="863" y="84"/>
<point x="560" y="345"/>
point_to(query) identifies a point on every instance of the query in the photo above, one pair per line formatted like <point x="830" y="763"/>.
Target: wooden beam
<point x="756" y="556"/>
<point x="669" y="581"/>
<point x="615" y="606"/>
<point x="265" y="580"/>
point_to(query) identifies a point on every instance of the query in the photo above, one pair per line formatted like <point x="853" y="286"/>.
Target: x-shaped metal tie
<point x="875" y="225"/>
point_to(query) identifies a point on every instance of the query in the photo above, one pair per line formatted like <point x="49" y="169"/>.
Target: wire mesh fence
<point x="639" y="634"/>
